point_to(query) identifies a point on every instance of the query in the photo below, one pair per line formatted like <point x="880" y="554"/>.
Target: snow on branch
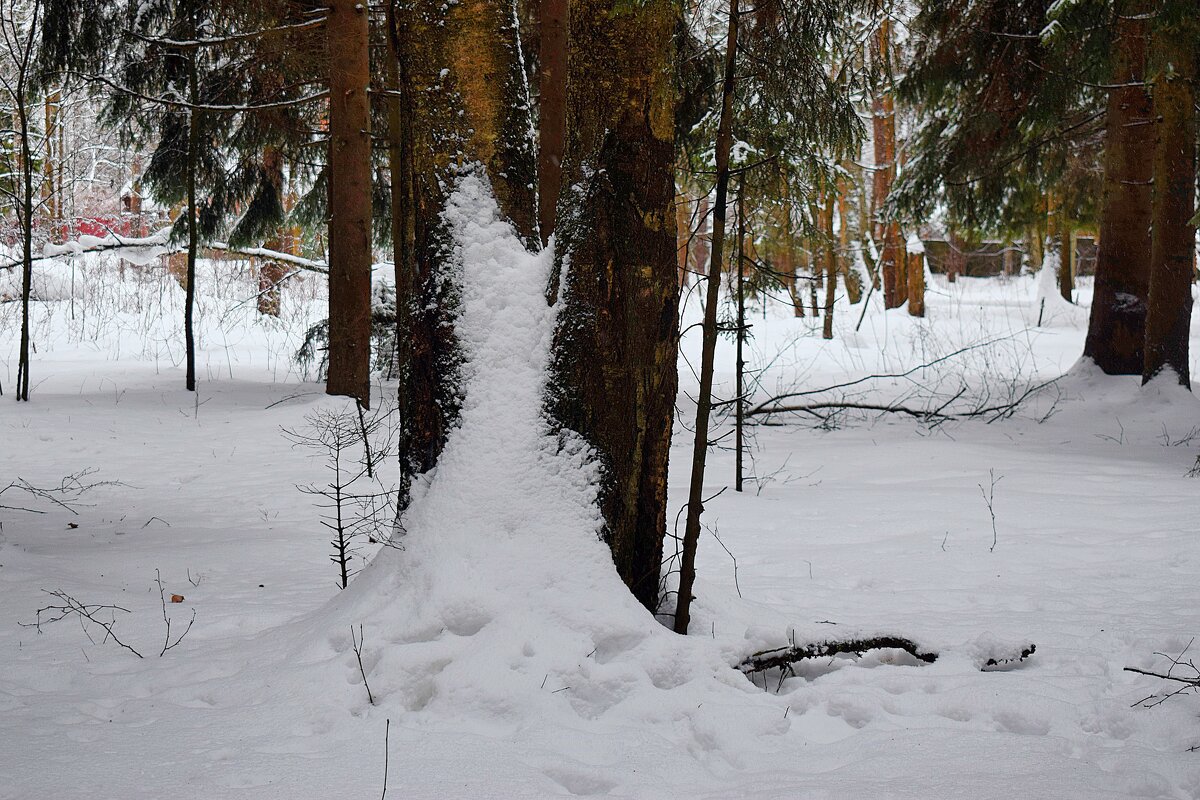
<point x="159" y="244"/>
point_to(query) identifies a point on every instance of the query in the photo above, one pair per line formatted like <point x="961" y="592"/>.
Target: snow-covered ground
<point x="504" y="657"/>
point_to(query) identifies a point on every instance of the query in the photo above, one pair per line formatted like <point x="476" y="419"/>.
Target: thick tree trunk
<point x="349" y="174"/>
<point x="552" y="109"/>
<point x="613" y="372"/>
<point x="1169" y="312"/>
<point x="1117" y="328"/>
<point x="460" y="68"/>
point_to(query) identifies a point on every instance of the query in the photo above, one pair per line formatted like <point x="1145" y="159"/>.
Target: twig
<point x="988" y="497"/>
<point x="357" y="643"/>
<point x="387" y="729"/>
<point x="162" y="597"/>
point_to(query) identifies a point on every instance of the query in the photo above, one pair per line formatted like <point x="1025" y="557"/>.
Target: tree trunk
<point x="613" y="371"/>
<point x="26" y="201"/>
<point x="270" y="272"/>
<point x="1066" y="260"/>
<point x="401" y="200"/>
<point x="886" y="231"/>
<point x="193" y="157"/>
<point x="695" y="506"/>
<point x="552" y="109"/>
<point x="1169" y="312"/>
<point x="683" y="237"/>
<point x="1117" y="326"/>
<point x="916" y="283"/>
<point x="830" y="266"/>
<point x="854" y="287"/>
<point x="740" y="363"/>
<point x="461" y="71"/>
<point x="349" y="175"/>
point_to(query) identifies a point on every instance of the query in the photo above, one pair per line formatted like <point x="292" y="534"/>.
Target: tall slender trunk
<point x="52" y="158"/>
<point x="26" y="178"/>
<point x="401" y="196"/>
<point x="552" y="109"/>
<point x="1117" y="327"/>
<point x="886" y="231"/>
<point x="740" y="365"/>
<point x="193" y="156"/>
<point x="1169" y="312"/>
<point x="830" y="266"/>
<point x="854" y="287"/>
<point x="695" y="506"/>
<point x="349" y="175"/>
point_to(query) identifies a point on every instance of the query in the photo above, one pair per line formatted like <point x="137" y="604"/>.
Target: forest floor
<point x="503" y="657"/>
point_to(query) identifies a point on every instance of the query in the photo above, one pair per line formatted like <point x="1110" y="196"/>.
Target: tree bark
<point x="1117" y="326"/>
<point x="886" y="231"/>
<point x="916" y="284"/>
<point x="830" y="267"/>
<point x="1169" y="312"/>
<point x="349" y="175"/>
<point x="402" y="200"/>
<point x="552" y="109"/>
<point x="613" y="372"/>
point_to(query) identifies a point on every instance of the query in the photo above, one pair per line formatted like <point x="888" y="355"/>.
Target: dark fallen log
<point x="784" y="657"/>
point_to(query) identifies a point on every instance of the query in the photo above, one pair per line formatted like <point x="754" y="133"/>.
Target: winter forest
<point x="638" y="398"/>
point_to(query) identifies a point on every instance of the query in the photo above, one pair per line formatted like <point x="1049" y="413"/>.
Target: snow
<point x="504" y="656"/>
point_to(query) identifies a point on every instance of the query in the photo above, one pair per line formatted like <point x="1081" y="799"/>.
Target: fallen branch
<point x="1191" y="682"/>
<point x="997" y="664"/>
<point x="65" y="496"/>
<point x="784" y="657"/>
<point x="939" y="414"/>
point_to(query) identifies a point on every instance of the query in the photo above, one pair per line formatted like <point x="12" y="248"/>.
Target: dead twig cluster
<point x="1182" y="672"/>
<point x="104" y="617"/>
<point x="66" y="495"/>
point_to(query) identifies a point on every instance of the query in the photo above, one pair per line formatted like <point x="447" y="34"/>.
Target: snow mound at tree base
<point x="504" y="610"/>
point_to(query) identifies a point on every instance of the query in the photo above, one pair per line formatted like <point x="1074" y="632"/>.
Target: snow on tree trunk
<point x="613" y="369"/>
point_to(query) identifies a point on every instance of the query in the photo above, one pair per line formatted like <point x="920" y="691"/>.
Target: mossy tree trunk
<point x="613" y="373"/>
